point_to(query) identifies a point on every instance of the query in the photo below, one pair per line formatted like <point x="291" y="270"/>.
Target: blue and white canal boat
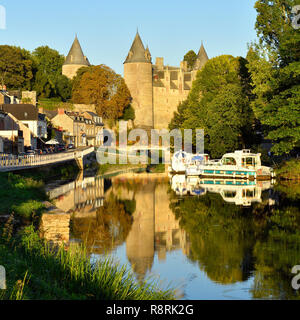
<point x="239" y="164"/>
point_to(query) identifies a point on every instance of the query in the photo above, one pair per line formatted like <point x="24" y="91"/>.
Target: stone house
<point x="73" y="125"/>
<point x="27" y="116"/>
<point x="80" y="129"/>
<point x="98" y="127"/>
<point x="13" y="134"/>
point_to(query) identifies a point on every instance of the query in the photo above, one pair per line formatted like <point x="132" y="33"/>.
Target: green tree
<point x="219" y="103"/>
<point x="129" y="113"/>
<point x="190" y="58"/>
<point x="101" y="86"/>
<point x="15" y="67"/>
<point x="48" y="80"/>
<point x="274" y="65"/>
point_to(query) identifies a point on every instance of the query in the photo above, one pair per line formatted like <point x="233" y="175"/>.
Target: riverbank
<point x="23" y="192"/>
<point x="22" y="195"/>
<point x="35" y="271"/>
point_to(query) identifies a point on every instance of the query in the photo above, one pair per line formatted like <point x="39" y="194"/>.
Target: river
<point x="210" y="239"/>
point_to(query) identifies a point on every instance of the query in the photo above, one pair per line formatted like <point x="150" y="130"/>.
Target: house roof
<point x="22" y="112"/>
<point x="93" y="114"/>
<point x="50" y="114"/>
<point x="76" y="55"/>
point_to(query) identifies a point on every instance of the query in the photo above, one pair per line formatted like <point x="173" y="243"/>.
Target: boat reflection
<point x="239" y="192"/>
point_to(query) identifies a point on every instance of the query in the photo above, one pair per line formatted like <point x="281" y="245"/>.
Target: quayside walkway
<point x="13" y="164"/>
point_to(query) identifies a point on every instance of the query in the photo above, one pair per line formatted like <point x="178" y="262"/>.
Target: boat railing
<point x="214" y="162"/>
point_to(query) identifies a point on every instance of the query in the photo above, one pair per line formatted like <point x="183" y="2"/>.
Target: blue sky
<point x="106" y="29"/>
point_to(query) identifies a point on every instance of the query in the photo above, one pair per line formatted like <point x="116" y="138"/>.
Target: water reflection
<point x="227" y="231"/>
<point x="236" y="191"/>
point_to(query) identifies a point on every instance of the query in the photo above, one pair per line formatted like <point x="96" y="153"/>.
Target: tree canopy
<point x="190" y="58"/>
<point x="48" y="79"/>
<point x="101" y="86"/>
<point x="219" y="104"/>
<point x="274" y="65"/>
<point x="15" y="67"/>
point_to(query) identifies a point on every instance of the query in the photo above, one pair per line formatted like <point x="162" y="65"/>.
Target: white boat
<point x="239" y="164"/>
<point x="182" y="160"/>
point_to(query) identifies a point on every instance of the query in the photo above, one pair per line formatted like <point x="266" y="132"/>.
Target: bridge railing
<point x="34" y="160"/>
<point x="7" y="161"/>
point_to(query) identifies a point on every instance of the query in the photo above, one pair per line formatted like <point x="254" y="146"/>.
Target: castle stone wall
<point x="165" y="102"/>
<point x="138" y="77"/>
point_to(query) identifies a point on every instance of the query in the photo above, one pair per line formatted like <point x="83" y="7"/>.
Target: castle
<point x="156" y="89"/>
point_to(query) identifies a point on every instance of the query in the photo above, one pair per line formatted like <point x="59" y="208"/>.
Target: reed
<point x="67" y="273"/>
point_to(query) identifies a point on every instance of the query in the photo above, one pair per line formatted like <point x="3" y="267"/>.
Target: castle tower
<point x="202" y="58"/>
<point x="138" y="77"/>
<point x="74" y="60"/>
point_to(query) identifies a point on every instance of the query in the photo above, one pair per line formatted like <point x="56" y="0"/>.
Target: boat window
<point x="249" y="161"/>
<point x="229" y="162"/>
<point x="248" y="193"/>
<point x="229" y="194"/>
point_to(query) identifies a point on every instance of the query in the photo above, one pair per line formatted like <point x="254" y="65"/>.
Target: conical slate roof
<point x="202" y="55"/>
<point x="137" y="52"/>
<point x="202" y="58"/>
<point x="76" y="55"/>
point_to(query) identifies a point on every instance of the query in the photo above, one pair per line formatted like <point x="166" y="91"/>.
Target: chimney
<point x="61" y="111"/>
<point x="41" y="110"/>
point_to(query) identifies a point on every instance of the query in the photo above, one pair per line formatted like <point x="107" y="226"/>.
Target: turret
<point x="74" y="60"/>
<point x="138" y="77"/>
<point x="202" y="58"/>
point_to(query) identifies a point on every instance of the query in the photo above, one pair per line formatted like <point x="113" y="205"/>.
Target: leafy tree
<point x="129" y="113"/>
<point x="48" y="80"/>
<point x="219" y="103"/>
<point x="48" y="60"/>
<point x="274" y="65"/>
<point x="191" y="58"/>
<point x="179" y="116"/>
<point x="101" y="86"/>
<point x="15" y="67"/>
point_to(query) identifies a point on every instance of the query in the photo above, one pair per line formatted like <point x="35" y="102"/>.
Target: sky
<point x="106" y="29"/>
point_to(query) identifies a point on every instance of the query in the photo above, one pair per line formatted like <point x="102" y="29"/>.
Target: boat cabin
<point x="242" y="158"/>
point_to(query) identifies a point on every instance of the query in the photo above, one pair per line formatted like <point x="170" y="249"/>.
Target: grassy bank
<point x="23" y="192"/>
<point x="35" y="271"/>
<point x="289" y="170"/>
<point x="22" y="195"/>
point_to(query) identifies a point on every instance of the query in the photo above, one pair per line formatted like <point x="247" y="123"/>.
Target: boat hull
<point x="239" y="173"/>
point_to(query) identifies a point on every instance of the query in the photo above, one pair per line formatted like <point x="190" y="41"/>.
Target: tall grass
<point x="67" y="273"/>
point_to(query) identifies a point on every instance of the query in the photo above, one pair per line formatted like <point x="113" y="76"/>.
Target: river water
<point x="210" y="239"/>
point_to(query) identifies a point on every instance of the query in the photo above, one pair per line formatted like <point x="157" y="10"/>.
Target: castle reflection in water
<point x="106" y="213"/>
